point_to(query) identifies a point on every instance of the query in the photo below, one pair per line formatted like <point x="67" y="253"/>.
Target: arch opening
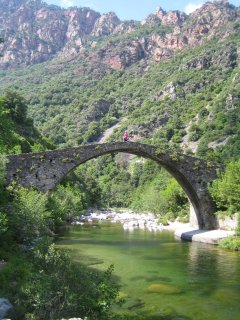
<point x="195" y="216"/>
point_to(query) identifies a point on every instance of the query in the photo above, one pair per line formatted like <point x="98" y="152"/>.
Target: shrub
<point x="29" y="218"/>
<point x="65" y="202"/>
<point x="231" y="243"/>
<point x="226" y="189"/>
<point x="3" y="223"/>
<point x="3" y="162"/>
<point x="48" y="285"/>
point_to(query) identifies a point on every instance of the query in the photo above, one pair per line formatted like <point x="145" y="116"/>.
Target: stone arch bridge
<point x="44" y="170"/>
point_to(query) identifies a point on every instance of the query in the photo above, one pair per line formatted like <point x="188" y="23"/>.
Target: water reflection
<point x="162" y="278"/>
<point x="212" y="263"/>
<point x="203" y="274"/>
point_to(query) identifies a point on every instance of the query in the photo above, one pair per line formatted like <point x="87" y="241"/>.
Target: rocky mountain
<point x="173" y="79"/>
<point x="35" y="32"/>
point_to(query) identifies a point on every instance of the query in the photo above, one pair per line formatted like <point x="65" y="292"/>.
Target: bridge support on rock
<point x="44" y="170"/>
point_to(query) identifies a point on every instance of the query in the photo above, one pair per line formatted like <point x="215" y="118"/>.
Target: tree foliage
<point x="48" y="285"/>
<point x="16" y="106"/>
<point x="17" y="132"/>
<point x="226" y="189"/>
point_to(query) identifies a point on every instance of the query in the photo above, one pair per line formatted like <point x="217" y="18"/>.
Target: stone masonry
<point x="44" y="170"/>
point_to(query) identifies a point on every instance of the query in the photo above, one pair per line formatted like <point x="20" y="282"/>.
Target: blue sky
<point x="134" y="9"/>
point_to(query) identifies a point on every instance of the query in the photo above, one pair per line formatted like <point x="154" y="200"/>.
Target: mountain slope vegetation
<point x="192" y="97"/>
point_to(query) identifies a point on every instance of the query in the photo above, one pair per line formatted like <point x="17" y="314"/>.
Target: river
<point x="159" y="275"/>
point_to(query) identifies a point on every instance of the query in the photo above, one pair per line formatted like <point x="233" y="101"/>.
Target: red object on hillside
<point x="125" y="136"/>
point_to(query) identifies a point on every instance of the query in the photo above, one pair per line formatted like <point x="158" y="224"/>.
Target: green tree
<point x="3" y="223"/>
<point x="30" y="218"/>
<point x="16" y="104"/>
<point x="3" y="162"/>
<point x="65" y="202"/>
<point x="226" y="192"/>
<point x="226" y="189"/>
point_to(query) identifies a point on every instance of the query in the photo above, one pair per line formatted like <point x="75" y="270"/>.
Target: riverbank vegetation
<point x="226" y="193"/>
<point x="41" y="281"/>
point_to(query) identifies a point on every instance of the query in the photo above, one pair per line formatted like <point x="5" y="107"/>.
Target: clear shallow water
<point x="161" y="276"/>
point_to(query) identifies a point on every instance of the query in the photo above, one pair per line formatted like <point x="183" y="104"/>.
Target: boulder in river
<point x="5" y="306"/>
<point x="162" y="288"/>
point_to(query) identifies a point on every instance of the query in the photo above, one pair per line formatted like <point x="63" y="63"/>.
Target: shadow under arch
<point x="44" y="170"/>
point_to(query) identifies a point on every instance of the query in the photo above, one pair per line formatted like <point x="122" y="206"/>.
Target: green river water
<point x="159" y="275"/>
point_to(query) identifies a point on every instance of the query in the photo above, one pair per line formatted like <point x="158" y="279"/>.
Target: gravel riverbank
<point x="131" y="220"/>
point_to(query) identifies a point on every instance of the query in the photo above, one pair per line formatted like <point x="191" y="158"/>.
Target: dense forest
<point x="189" y="102"/>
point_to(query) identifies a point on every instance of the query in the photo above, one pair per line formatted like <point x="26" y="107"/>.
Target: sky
<point x="134" y="9"/>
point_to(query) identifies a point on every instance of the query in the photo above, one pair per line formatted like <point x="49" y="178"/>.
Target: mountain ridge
<point x="35" y="32"/>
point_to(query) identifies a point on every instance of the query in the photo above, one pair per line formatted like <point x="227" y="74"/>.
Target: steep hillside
<point x="17" y="132"/>
<point x="172" y="79"/>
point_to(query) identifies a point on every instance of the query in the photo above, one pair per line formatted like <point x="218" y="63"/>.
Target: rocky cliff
<point x="35" y="32"/>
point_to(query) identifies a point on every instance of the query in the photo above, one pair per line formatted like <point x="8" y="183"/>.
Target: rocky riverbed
<point x="128" y="219"/>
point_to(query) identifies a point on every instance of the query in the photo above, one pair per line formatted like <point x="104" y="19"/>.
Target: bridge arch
<point x="44" y="170"/>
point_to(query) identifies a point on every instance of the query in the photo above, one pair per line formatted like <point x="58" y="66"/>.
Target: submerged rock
<point x="95" y="262"/>
<point x="226" y="296"/>
<point x="158" y="278"/>
<point x="122" y="295"/>
<point x="162" y="289"/>
<point x="139" y="303"/>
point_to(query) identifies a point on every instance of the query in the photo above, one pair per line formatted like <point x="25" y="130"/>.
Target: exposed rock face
<point x="202" y="24"/>
<point x="106" y="24"/>
<point x="171" y="18"/>
<point x="118" y="57"/>
<point x="35" y="32"/>
<point x="204" y="21"/>
<point x="168" y="91"/>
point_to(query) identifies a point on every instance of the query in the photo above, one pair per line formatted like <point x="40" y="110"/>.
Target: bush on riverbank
<point x="163" y="196"/>
<point x="231" y="243"/>
<point x="226" y="192"/>
<point x="65" y="202"/>
<point x="45" y="284"/>
<point x="226" y="189"/>
<point x="39" y="280"/>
